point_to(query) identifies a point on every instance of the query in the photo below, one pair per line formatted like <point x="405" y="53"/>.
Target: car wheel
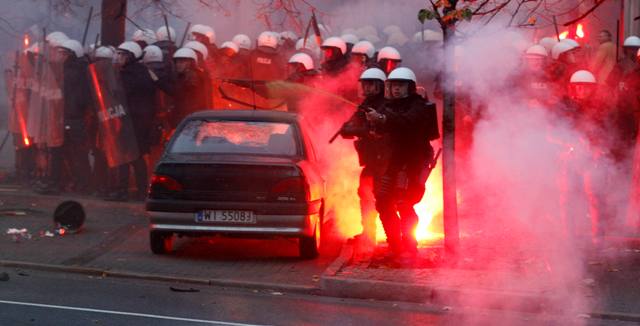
<point x="160" y="242"/>
<point x="310" y="246"/>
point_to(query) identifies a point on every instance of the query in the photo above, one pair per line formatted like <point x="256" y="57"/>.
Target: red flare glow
<point x="580" y="31"/>
<point x="26" y="41"/>
<point x="563" y="35"/>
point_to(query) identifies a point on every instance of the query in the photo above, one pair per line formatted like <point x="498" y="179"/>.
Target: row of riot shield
<point x="36" y="85"/>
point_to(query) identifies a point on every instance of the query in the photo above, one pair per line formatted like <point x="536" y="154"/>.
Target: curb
<point x="616" y="316"/>
<point x="301" y="289"/>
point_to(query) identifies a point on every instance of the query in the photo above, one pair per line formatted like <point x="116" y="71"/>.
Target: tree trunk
<point x="113" y="22"/>
<point x="449" y="193"/>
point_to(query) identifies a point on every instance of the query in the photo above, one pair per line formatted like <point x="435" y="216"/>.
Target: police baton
<point x="432" y="164"/>
<point x="335" y="136"/>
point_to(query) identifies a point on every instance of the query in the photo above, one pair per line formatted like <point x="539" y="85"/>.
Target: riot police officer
<point x="410" y="122"/>
<point x="371" y="148"/>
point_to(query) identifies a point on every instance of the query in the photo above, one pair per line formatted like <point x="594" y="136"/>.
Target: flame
<point x="26" y="41"/>
<point x="563" y="35"/>
<point x="26" y="141"/>
<point x="429" y="211"/>
<point x="580" y="31"/>
<point x="430" y="208"/>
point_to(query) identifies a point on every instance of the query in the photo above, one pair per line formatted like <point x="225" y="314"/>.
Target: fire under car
<point x="247" y="173"/>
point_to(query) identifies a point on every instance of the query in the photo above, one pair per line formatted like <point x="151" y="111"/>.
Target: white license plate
<point x="226" y="216"/>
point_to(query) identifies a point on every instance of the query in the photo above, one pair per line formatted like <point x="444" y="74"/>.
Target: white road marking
<point x="124" y="313"/>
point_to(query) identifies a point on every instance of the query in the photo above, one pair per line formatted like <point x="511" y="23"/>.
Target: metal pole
<point x="134" y="23"/>
<point x="184" y="36"/>
<point x="86" y="26"/>
<point x="555" y="24"/>
<point x="166" y="25"/>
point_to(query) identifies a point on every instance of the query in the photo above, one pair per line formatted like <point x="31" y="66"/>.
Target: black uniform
<point x="168" y="49"/>
<point x="411" y="123"/>
<point x="373" y="157"/>
<point x="267" y="64"/>
<point x="189" y="94"/>
<point x="593" y="119"/>
<point x="307" y="78"/>
<point x="77" y="104"/>
<point x="335" y="66"/>
<point x="140" y="92"/>
<point x="625" y="113"/>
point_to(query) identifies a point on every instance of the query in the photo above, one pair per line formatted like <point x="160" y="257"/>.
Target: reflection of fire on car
<point x="238" y="173"/>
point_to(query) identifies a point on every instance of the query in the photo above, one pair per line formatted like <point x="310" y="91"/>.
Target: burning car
<point x="238" y="173"/>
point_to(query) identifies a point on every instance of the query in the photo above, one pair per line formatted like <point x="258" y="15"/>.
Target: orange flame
<point x="26" y="40"/>
<point x="563" y="35"/>
<point x="580" y="31"/>
<point x="429" y="211"/>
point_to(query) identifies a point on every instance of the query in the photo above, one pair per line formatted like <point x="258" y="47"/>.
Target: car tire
<point x="161" y="243"/>
<point x="310" y="246"/>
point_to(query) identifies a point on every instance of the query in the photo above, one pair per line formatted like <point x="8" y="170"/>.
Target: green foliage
<point x="425" y="14"/>
<point x="466" y="14"/>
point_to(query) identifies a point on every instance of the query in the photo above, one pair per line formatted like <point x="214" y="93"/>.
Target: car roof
<point x="248" y="115"/>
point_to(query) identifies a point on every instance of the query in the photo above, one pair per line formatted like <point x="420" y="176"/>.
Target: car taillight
<point x="165" y="182"/>
<point x="290" y="189"/>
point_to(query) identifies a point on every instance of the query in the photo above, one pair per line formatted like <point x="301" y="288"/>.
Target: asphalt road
<point x="44" y="298"/>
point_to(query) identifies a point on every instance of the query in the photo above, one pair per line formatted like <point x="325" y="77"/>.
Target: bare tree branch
<point x="598" y="3"/>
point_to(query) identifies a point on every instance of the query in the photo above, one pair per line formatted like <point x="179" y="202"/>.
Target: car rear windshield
<point x="236" y="137"/>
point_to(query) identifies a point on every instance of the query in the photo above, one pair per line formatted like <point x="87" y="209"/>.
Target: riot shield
<point x="17" y="82"/>
<point x="45" y="117"/>
<point x="246" y="94"/>
<point x="54" y="104"/>
<point x="36" y="109"/>
<point x="116" y="137"/>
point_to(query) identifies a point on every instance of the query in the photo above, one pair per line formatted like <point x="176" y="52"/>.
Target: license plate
<point x="226" y="216"/>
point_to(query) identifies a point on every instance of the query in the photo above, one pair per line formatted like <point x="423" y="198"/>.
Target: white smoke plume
<point x="530" y="178"/>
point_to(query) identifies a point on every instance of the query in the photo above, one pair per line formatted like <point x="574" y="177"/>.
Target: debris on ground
<point x="18" y="234"/>
<point x="4" y="277"/>
<point x="13" y="212"/>
<point x="186" y="290"/>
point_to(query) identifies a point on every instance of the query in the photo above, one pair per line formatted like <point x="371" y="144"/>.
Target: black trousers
<point x="75" y="155"/>
<point x="120" y="175"/>
<point x="367" y="204"/>
<point x="396" y="192"/>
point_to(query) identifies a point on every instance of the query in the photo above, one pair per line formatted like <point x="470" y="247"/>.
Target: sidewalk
<point x="114" y="242"/>
<point x="609" y="287"/>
